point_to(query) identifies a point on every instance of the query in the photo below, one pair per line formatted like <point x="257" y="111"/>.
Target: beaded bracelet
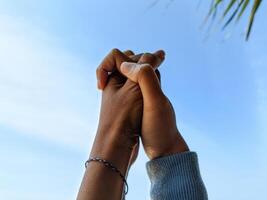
<point x="112" y="167"/>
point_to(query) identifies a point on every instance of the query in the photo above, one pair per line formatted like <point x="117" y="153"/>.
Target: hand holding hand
<point x="121" y="110"/>
<point x="130" y="107"/>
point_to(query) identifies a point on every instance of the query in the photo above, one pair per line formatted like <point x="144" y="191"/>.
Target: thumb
<point x="145" y="76"/>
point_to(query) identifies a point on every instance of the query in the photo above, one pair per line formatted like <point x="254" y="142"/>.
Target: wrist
<point x="111" y="146"/>
<point x="176" y="145"/>
<point x="179" y="146"/>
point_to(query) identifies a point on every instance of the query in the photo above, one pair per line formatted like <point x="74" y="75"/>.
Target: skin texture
<point x="119" y="128"/>
<point x="160" y="135"/>
<point x="133" y="105"/>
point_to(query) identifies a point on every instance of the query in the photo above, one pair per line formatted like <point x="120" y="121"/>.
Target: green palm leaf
<point x="238" y="11"/>
<point x="256" y="5"/>
<point x="230" y="5"/>
<point x="245" y="5"/>
<point x="233" y="15"/>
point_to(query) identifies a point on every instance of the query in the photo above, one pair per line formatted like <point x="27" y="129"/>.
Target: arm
<point x="118" y="130"/>
<point x="173" y="169"/>
<point x="100" y="182"/>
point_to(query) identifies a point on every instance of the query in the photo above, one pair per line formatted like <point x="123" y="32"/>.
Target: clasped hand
<point x="134" y="106"/>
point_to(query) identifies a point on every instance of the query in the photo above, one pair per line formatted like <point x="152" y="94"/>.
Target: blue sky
<point x="49" y="103"/>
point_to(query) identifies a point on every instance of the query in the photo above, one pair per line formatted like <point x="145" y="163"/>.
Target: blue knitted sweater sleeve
<point x="176" y="177"/>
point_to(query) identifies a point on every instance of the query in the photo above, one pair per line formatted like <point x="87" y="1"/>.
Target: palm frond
<point x="233" y="14"/>
<point x="256" y="5"/>
<point x="238" y="7"/>
<point x="230" y="5"/>
<point x="244" y="7"/>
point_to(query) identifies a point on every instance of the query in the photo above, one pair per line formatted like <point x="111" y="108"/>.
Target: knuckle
<point x="97" y="70"/>
<point x="146" y="69"/>
<point x="148" y="56"/>
<point x="115" y="51"/>
<point x="128" y="51"/>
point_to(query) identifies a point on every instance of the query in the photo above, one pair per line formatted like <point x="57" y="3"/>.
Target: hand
<point x="160" y="135"/>
<point x="121" y="110"/>
<point x="119" y="125"/>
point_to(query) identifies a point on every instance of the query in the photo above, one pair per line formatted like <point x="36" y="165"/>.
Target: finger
<point x="160" y="54"/>
<point x="154" y="60"/>
<point x="116" y="78"/>
<point x="145" y="76"/>
<point x="129" y="53"/>
<point x="110" y="64"/>
<point x="136" y="58"/>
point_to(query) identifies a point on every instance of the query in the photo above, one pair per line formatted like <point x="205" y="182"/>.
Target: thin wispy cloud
<point x="44" y="89"/>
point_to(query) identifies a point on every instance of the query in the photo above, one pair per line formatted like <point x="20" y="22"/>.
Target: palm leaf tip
<point x="238" y="7"/>
<point x="254" y="10"/>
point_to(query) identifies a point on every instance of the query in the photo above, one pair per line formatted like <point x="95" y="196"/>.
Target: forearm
<point x="101" y="182"/>
<point x="176" y="177"/>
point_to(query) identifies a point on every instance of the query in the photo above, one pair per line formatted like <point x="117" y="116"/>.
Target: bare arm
<point x="100" y="182"/>
<point x="118" y="132"/>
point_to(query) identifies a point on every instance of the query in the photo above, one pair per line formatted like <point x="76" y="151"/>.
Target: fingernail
<point x="128" y="67"/>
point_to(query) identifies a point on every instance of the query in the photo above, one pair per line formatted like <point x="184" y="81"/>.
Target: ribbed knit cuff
<point x="176" y="177"/>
